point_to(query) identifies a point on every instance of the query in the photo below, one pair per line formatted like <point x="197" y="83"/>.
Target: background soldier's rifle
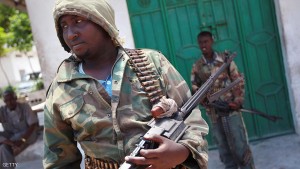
<point x="173" y="127"/>
<point x="224" y="107"/>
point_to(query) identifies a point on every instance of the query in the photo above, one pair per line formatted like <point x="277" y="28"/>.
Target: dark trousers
<point x="232" y="142"/>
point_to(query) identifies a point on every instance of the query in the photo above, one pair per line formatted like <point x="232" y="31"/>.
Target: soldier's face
<point x="85" y="38"/>
<point x="205" y="44"/>
<point x="10" y="101"/>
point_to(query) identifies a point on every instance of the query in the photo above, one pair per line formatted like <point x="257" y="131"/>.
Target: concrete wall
<point x="6" y="65"/>
<point x="12" y="66"/>
<point x="48" y="46"/>
<point x="288" y="14"/>
<point x="29" y="62"/>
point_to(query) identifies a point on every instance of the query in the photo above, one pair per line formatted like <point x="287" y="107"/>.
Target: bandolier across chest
<point x="145" y="73"/>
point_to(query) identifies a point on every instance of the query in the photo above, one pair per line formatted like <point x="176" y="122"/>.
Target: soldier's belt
<point x="95" y="163"/>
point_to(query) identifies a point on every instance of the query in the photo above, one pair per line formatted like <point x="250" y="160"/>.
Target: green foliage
<point x="20" y="36"/>
<point x="39" y="85"/>
<point x="16" y="27"/>
<point x="2" y="41"/>
<point x="5" y="13"/>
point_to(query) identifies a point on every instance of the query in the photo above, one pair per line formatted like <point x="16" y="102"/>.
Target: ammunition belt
<point x="94" y="163"/>
<point x="216" y="89"/>
<point x="247" y="157"/>
<point x="222" y="114"/>
<point x="145" y="73"/>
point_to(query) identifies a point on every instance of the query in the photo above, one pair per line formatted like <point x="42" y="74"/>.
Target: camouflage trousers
<point x="230" y="135"/>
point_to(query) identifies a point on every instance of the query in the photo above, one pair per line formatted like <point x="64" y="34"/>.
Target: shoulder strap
<point x="145" y="73"/>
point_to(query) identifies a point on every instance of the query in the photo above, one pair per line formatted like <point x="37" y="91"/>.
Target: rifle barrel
<point x="193" y="101"/>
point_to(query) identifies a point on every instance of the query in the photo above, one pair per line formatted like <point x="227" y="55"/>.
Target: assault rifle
<point x="173" y="127"/>
<point x="224" y="107"/>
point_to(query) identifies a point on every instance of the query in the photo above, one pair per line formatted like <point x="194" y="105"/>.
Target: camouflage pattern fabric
<point x="78" y="109"/>
<point x="202" y="70"/>
<point x="232" y="141"/>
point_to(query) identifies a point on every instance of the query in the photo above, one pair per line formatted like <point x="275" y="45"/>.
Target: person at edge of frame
<point x="97" y="100"/>
<point x="20" y="126"/>
<point x="228" y="128"/>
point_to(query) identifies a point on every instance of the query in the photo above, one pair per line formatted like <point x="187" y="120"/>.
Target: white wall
<point x="7" y="66"/>
<point x="12" y="66"/>
<point x="29" y="64"/>
<point x="288" y="14"/>
<point x="48" y="46"/>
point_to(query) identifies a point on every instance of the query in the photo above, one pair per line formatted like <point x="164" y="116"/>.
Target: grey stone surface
<point x="31" y="157"/>
<point x="281" y="152"/>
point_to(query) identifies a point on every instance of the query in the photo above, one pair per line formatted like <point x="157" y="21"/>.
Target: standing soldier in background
<point x="102" y="97"/>
<point x="228" y="128"/>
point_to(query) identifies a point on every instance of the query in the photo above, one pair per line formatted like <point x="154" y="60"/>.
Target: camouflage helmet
<point x="97" y="11"/>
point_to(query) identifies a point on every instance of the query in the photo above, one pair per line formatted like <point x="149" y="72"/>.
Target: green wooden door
<point x="245" y="26"/>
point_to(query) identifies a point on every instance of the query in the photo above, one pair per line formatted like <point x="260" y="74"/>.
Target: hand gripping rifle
<point x="223" y="106"/>
<point x="173" y="127"/>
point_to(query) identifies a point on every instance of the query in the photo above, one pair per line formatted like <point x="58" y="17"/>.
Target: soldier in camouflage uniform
<point x="97" y="98"/>
<point x="228" y="127"/>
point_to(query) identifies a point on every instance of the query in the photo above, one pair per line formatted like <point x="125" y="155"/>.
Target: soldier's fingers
<point x="156" y="138"/>
<point x="149" y="153"/>
<point x="139" y="160"/>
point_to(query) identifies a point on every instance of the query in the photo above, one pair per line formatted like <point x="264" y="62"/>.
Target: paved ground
<point x="282" y="152"/>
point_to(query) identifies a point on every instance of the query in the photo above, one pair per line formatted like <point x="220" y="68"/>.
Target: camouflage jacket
<point x="77" y="110"/>
<point x="202" y="70"/>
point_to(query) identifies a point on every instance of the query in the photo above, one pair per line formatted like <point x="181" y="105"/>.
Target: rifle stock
<point x="173" y="127"/>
